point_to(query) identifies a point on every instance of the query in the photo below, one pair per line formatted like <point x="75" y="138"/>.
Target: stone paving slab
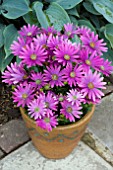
<point x="12" y="135"/>
<point x="102" y="122"/>
<point x="1" y="154"/>
<point x="28" y="158"/>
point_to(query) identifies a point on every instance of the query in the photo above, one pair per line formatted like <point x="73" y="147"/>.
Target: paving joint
<point x="94" y="143"/>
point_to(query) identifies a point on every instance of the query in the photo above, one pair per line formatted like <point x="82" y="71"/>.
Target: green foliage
<point x="95" y="14"/>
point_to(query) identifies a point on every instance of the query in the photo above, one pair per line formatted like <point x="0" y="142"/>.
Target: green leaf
<point x="73" y="20"/>
<point x="57" y="15"/>
<point x="10" y="34"/>
<point x="13" y="9"/>
<point x="40" y="14"/>
<point x="6" y="62"/>
<point x="1" y="35"/>
<point x="105" y="8"/>
<point x="109" y="33"/>
<point x="31" y="18"/>
<point x="87" y="24"/>
<point x="66" y="4"/>
<point x="89" y="7"/>
<point x="73" y="11"/>
<point x="2" y="56"/>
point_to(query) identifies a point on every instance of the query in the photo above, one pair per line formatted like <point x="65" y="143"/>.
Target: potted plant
<point x="56" y="83"/>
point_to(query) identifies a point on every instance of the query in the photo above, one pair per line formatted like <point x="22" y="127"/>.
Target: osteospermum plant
<point x="57" y="79"/>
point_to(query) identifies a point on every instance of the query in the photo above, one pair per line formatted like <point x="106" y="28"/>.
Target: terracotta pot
<point x="61" y="141"/>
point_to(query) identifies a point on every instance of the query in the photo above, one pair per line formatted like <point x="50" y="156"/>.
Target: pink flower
<point x="23" y="94"/>
<point x="37" y="108"/>
<point x="14" y="74"/>
<point x="33" y="55"/>
<point x="82" y="30"/>
<point x="66" y="52"/>
<point x="75" y="97"/>
<point x="29" y="31"/>
<point x="38" y="80"/>
<point x="73" y="75"/>
<point x="70" y="111"/>
<point x="54" y="75"/>
<point x="92" y="43"/>
<point x="47" y="123"/>
<point x="91" y="84"/>
<point x="69" y="30"/>
<point x="41" y="40"/>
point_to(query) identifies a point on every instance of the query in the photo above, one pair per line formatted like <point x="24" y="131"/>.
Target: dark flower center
<point x="92" y="44"/>
<point x="37" y="109"/>
<point x="33" y="57"/>
<point x="24" y="95"/>
<point x="88" y="62"/>
<point x="47" y="104"/>
<point x="74" y="97"/>
<point x="69" y="110"/>
<point x="38" y="81"/>
<point x="25" y="76"/>
<point x="53" y="57"/>
<point x="47" y="120"/>
<point x="54" y="77"/>
<point x="67" y="57"/>
<point x="72" y="74"/>
<point x="90" y="85"/>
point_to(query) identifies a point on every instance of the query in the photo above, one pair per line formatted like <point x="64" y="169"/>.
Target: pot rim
<point x="73" y="125"/>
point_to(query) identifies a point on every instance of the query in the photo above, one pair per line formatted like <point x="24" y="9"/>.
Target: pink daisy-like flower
<point x="41" y="40"/>
<point x="33" y="55"/>
<point x="50" y="101"/>
<point x="37" y="108"/>
<point x="89" y="60"/>
<point x="82" y="30"/>
<point x="47" y="123"/>
<point x="17" y="46"/>
<point x="54" y="75"/>
<point x="73" y="75"/>
<point x="91" y="84"/>
<point x="38" y="80"/>
<point x="49" y="30"/>
<point x="105" y="67"/>
<point x="53" y="41"/>
<point x="92" y="43"/>
<point x="14" y="74"/>
<point x="29" y="31"/>
<point x="70" y="111"/>
<point x="75" y="97"/>
<point x="23" y="94"/>
<point x="66" y="52"/>
<point x="69" y="30"/>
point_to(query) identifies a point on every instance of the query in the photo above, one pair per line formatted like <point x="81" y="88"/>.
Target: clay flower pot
<point x="61" y="141"/>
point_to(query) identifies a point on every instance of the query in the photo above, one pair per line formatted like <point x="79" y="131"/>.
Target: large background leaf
<point x="109" y="33"/>
<point x="41" y="15"/>
<point x="57" y="15"/>
<point x="13" y="9"/>
<point x="1" y="35"/>
<point x="66" y="4"/>
<point x="10" y="33"/>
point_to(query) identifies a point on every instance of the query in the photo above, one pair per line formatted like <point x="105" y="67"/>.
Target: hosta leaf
<point x="109" y="33"/>
<point x="104" y="7"/>
<point x="1" y="35"/>
<point x="73" y="20"/>
<point x="57" y="15"/>
<point x="41" y="15"/>
<point x="73" y="11"/>
<point x="87" y="24"/>
<point x="89" y="7"/>
<point x="66" y="4"/>
<point x="13" y="9"/>
<point x="6" y="62"/>
<point x="10" y="33"/>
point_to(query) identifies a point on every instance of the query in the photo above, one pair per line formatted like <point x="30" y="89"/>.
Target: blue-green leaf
<point x="57" y="15"/>
<point x="104" y="7"/>
<point x="87" y="24"/>
<point x="109" y="33"/>
<point x="6" y="62"/>
<point x="73" y="11"/>
<point x="1" y="35"/>
<point x="89" y="7"/>
<point x="31" y="18"/>
<point x="10" y="34"/>
<point x="73" y="20"/>
<point x="13" y="9"/>
<point x="41" y="15"/>
<point x="66" y="4"/>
